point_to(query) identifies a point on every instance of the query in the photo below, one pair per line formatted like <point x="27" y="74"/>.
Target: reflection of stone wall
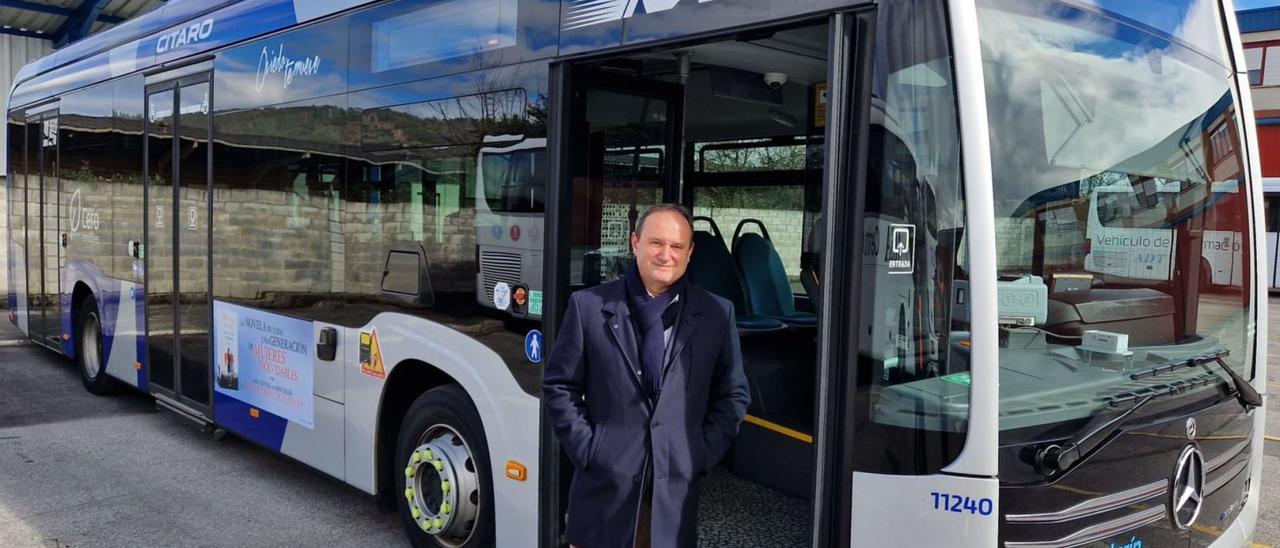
<point x="270" y="241"/>
<point x="266" y="241"/>
<point x="4" y="248"/>
<point x="101" y="222"/>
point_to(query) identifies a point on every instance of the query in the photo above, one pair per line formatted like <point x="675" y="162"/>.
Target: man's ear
<point x="635" y="243"/>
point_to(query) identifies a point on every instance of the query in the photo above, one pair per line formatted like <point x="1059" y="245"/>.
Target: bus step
<point x="166" y="404"/>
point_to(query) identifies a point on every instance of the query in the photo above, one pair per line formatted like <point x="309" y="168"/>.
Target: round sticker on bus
<point x="515" y="233"/>
<point x="520" y="295"/>
<point x="501" y="295"/>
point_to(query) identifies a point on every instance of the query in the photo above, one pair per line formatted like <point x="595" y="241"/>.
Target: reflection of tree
<point x="496" y="103"/>
<point x="764" y="158"/>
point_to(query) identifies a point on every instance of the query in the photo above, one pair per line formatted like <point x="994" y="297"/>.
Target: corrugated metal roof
<point x="45" y="18"/>
<point x="1259" y="20"/>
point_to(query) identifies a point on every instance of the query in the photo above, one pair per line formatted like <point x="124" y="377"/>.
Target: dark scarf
<point x="652" y="316"/>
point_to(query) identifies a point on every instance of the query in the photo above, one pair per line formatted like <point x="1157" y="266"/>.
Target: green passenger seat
<point x="768" y="289"/>
<point x="713" y="269"/>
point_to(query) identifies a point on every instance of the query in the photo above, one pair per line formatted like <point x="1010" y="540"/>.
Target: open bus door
<point x="613" y="156"/>
<point x="625" y="139"/>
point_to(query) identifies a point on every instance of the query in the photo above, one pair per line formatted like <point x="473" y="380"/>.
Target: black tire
<point x="88" y="344"/>
<point x="427" y="422"/>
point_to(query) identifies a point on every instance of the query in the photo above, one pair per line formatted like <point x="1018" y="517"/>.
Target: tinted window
<point x="457" y="28"/>
<point x="1115" y="160"/>
<point x="912" y="398"/>
<point x="88" y="166"/>
<point x="407" y="41"/>
<point x="401" y="273"/>
<point x="514" y="180"/>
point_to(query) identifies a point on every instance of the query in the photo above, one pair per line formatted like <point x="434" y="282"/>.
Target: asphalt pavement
<point x="81" y="470"/>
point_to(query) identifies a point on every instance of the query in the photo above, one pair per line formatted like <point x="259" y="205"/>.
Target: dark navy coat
<point x="611" y="431"/>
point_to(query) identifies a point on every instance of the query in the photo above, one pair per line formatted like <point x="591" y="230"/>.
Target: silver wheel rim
<point x="91" y="358"/>
<point x="442" y="486"/>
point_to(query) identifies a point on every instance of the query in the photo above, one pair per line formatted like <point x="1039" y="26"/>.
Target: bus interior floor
<point x="735" y="512"/>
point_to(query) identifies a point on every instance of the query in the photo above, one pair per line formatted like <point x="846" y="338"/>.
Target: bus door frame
<point x="199" y="71"/>
<point x="563" y="158"/>
<point x="49" y="334"/>
<point x="850" y="63"/>
<point x="850" y="66"/>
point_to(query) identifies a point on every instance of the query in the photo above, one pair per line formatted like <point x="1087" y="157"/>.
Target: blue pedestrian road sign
<point x="533" y="346"/>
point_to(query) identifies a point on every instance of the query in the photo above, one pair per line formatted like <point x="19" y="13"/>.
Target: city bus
<point x="274" y="217"/>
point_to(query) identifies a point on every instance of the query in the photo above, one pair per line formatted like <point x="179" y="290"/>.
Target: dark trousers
<point x="644" y="517"/>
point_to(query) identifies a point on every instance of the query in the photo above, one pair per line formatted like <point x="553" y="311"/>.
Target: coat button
<point x="657" y="424"/>
<point x="638" y="478"/>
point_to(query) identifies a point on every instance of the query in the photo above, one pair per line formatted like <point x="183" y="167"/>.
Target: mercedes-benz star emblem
<point x="1186" y="493"/>
<point x="1191" y="428"/>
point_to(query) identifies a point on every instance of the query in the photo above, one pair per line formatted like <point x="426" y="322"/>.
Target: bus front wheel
<point x="93" y="365"/>
<point x="444" y="481"/>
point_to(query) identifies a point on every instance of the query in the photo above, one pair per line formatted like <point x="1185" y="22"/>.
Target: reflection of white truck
<point x="511" y="178"/>
<point x="1119" y="242"/>
<point x="1122" y="244"/>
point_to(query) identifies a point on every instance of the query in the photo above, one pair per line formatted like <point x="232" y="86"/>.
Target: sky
<point x="1251" y="4"/>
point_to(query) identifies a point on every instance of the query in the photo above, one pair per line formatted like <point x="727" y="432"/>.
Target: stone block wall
<point x="4" y="244"/>
<point x="785" y="226"/>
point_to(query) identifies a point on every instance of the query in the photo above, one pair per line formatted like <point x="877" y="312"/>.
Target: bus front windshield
<point x="1122" y="215"/>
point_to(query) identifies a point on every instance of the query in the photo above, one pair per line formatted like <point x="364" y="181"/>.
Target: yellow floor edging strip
<point x="780" y="429"/>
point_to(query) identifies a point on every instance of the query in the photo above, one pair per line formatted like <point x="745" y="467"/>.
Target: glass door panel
<point x="193" y="241"/>
<point x="35" y="313"/>
<point x="623" y="168"/>
<point x="44" y="254"/>
<point x="159" y="247"/>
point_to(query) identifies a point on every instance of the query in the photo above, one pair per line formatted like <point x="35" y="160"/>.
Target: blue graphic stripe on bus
<point x="140" y="339"/>
<point x="960" y="504"/>
<point x="266" y="429"/>
<point x="106" y="294"/>
<point x="228" y="25"/>
<point x="67" y="345"/>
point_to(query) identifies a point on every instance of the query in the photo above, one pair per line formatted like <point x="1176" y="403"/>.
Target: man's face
<point x="662" y="250"/>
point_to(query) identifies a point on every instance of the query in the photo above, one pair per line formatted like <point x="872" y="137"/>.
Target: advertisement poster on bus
<point x="264" y="360"/>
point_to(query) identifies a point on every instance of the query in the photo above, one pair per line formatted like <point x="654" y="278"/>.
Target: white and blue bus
<point x="347" y="230"/>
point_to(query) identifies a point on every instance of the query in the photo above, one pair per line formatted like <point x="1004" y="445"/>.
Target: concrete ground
<point x="80" y="470"/>
<point x="1268" y="531"/>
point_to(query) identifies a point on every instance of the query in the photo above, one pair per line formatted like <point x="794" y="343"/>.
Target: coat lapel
<point x="685" y="331"/>
<point x="618" y="324"/>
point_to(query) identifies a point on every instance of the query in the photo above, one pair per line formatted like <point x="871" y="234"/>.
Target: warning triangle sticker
<point x="371" y="355"/>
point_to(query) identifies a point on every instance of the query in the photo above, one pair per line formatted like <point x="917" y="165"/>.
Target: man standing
<point x="645" y="390"/>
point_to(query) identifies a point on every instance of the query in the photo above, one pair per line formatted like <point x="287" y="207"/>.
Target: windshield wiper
<point x="1057" y="458"/>
<point x="1244" y="392"/>
<point x="1176" y="364"/>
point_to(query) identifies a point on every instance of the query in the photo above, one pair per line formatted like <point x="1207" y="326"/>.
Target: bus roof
<point x="188" y="28"/>
<point x="178" y="29"/>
